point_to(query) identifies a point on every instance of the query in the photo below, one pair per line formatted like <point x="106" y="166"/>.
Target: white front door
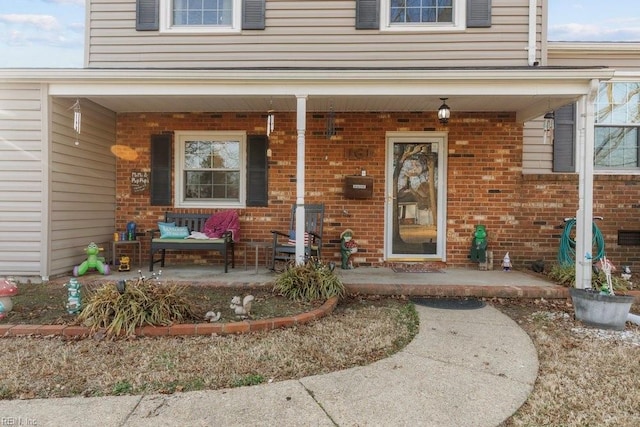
<point x="415" y="212"/>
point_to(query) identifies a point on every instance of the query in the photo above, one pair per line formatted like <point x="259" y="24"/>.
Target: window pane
<point x="618" y="103"/>
<point x="616" y="147"/>
<point x="212" y="170"/>
<point x="421" y="11"/>
<point x="203" y="12"/>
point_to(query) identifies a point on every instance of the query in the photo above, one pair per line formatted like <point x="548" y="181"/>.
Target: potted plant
<point x="597" y="306"/>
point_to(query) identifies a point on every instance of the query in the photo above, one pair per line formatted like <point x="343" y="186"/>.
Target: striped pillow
<point x="292" y="238"/>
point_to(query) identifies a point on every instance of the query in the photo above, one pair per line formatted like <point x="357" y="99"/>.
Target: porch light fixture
<point x="444" y="112"/>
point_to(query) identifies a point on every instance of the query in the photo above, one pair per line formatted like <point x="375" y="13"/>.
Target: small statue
<point x="479" y="244"/>
<point x="348" y="247"/>
<point x="244" y="309"/>
<point x="74" y="300"/>
<point x="124" y="263"/>
<point x="506" y="262"/>
<point x="212" y="316"/>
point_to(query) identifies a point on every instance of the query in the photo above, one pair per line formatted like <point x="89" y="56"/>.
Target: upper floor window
<point x="200" y="15"/>
<point x="210" y="169"/>
<point x="617" y="126"/>
<point x="423" y="15"/>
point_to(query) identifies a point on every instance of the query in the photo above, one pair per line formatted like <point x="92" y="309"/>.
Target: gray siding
<point x="83" y="180"/>
<point x="21" y="180"/>
<point x="308" y="33"/>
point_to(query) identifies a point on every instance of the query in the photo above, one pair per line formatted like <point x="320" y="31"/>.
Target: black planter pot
<point x="601" y="311"/>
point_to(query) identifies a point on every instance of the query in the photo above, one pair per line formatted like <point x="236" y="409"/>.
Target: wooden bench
<point x="195" y="222"/>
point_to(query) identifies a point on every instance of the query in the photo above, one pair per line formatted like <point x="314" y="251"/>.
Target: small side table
<point x="258" y="245"/>
<point x="136" y="245"/>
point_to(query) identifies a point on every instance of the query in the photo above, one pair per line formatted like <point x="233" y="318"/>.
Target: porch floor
<point x="374" y="280"/>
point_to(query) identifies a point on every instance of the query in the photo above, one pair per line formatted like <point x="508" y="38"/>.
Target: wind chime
<point x="77" y="120"/>
<point x="271" y="119"/>
<point x="331" y="124"/>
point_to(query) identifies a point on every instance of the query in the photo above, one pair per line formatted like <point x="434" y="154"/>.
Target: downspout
<point x="584" y="215"/>
<point x="531" y="47"/>
<point x="301" y="125"/>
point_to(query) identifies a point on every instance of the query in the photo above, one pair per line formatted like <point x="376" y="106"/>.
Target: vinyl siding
<point x="537" y="152"/>
<point x="306" y="34"/>
<point x="21" y="180"/>
<point x="621" y="56"/>
<point x="82" y="182"/>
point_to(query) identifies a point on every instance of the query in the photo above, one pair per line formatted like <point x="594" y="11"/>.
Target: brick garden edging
<point x="183" y="329"/>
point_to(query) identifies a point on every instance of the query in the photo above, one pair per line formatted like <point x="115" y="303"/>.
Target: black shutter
<point x="253" y="14"/>
<point x="257" y="170"/>
<point x="478" y="13"/>
<point x="161" y="170"/>
<point x="564" y="135"/>
<point x="147" y="13"/>
<point x="367" y="14"/>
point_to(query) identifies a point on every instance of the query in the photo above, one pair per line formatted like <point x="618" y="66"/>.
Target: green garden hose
<point x="567" y="249"/>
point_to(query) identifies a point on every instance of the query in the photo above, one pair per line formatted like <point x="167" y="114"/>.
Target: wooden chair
<point x="284" y="248"/>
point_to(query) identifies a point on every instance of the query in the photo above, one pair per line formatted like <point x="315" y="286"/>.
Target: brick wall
<point x="484" y="180"/>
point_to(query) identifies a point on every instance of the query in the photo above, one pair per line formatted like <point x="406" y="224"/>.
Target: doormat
<point x="416" y="268"/>
<point x="450" y="303"/>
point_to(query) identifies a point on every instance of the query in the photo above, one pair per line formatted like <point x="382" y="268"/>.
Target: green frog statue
<point x="348" y="247"/>
<point x="478" y="251"/>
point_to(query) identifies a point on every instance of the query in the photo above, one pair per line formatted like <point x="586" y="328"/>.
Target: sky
<point x="50" y="33"/>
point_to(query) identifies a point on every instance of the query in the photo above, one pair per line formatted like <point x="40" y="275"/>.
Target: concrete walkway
<point x="464" y="368"/>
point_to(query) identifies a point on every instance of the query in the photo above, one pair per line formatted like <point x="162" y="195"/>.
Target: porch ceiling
<point x="527" y="91"/>
<point x="320" y="103"/>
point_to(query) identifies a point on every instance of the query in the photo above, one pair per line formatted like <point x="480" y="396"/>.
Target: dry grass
<point x="361" y="331"/>
<point x="587" y="377"/>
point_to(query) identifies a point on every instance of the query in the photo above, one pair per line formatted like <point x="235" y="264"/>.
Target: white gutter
<point x="85" y="76"/>
<point x="531" y="48"/>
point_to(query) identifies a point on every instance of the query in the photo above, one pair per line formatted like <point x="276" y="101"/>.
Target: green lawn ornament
<point x="74" y="300"/>
<point x="93" y="261"/>
<point x="348" y="247"/>
<point x="478" y="251"/>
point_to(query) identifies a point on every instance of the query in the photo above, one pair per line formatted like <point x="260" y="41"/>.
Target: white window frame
<point x="602" y="170"/>
<point x="180" y="138"/>
<point x="458" y="24"/>
<point x="166" y="21"/>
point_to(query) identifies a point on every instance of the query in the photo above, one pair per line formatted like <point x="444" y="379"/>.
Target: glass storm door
<point x="415" y="209"/>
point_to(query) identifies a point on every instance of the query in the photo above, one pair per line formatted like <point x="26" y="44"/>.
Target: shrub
<point x="310" y="281"/>
<point x="143" y="302"/>
<point x="565" y="275"/>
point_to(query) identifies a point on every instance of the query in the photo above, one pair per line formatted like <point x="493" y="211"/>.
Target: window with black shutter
<point x="478" y="13"/>
<point x="253" y="14"/>
<point x="160" y="170"/>
<point x="147" y="15"/>
<point x="257" y="170"/>
<point x="564" y="135"/>
<point x="367" y="14"/>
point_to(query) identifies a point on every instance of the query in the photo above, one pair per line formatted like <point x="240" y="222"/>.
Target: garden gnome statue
<point x="478" y="251"/>
<point x="74" y="301"/>
<point x="506" y="262"/>
<point x="348" y="247"/>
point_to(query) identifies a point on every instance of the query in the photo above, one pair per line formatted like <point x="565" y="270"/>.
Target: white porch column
<point x="584" y="216"/>
<point x="301" y="126"/>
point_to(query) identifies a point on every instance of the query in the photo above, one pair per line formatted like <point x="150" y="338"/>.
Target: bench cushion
<point x="172" y="231"/>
